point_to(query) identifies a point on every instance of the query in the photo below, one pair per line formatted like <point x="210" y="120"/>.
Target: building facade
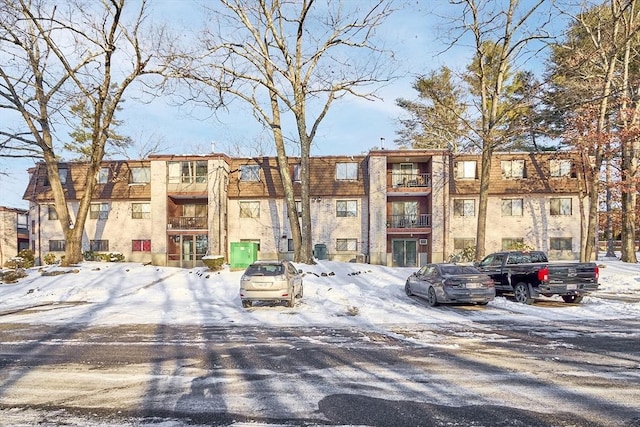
<point x="389" y="207"/>
<point x="14" y="232"/>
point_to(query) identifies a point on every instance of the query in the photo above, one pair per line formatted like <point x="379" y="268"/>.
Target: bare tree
<point x="289" y="61"/>
<point x="57" y="53"/>
<point x="500" y="38"/>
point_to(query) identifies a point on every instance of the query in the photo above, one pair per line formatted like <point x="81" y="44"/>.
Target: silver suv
<point x="271" y="281"/>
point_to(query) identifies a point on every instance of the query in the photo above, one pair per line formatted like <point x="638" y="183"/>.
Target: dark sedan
<point x="451" y="283"/>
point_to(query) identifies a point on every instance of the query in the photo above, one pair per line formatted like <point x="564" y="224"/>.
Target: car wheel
<point x="246" y="303"/>
<point x="483" y="303"/>
<point x="521" y="293"/>
<point x="432" y="298"/>
<point x="407" y="289"/>
<point x="572" y="299"/>
<point x="301" y="291"/>
<point x="291" y="301"/>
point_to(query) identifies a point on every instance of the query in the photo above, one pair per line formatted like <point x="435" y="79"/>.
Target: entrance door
<point x="405" y="253"/>
<point x="187" y="252"/>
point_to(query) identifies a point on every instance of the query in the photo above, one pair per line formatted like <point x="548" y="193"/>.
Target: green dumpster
<point x="320" y="251"/>
<point x="243" y="254"/>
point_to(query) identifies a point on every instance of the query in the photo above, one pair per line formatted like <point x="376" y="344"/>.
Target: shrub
<point x="213" y="262"/>
<point x="50" y="258"/>
<point x="468" y="254"/>
<point x="24" y="259"/>
<point x="12" y="276"/>
<point x="103" y="256"/>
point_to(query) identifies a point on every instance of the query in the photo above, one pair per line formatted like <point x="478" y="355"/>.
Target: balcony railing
<point x="405" y="179"/>
<point x="188" y="222"/>
<point x="409" y="221"/>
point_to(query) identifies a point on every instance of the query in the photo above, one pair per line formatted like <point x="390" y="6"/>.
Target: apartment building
<point x="389" y="207"/>
<point x="14" y="232"/>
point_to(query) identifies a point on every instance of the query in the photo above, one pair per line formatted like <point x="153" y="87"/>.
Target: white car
<point x="271" y="281"/>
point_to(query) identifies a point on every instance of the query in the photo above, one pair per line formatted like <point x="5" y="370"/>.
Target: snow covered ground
<point x="335" y="293"/>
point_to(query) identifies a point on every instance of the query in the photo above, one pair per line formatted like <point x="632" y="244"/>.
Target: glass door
<point x="405" y="253"/>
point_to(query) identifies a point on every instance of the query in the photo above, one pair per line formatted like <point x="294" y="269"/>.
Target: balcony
<point x="187" y="223"/>
<point x="410" y="180"/>
<point x="409" y="221"/>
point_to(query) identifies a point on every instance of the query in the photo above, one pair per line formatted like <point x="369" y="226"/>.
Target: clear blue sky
<point x="353" y="125"/>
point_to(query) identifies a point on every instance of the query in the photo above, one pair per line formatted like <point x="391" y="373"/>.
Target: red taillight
<point x="543" y="274"/>
<point x="597" y="273"/>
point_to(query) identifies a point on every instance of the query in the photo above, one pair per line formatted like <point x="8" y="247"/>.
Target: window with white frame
<point x="347" y="171"/>
<point x="346" y="245"/>
<point x="250" y="173"/>
<point x="141" y="245"/>
<point x="511" y="207"/>
<point x="140" y="175"/>
<point x="63" y="173"/>
<point x="560" y="168"/>
<point x="512" y="168"/>
<point x="103" y="176"/>
<point x="99" y="245"/>
<point x="141" y="210"/>
<point x="99" y="211"/>
<point x="346" y="208"/>
<point x="466" y="169"/>
<point x="560" y="206"/>
<point x="297" y="172"/>
<point x="249" y="209"/>
<point x="52" y="213"/>
<point x="187" y="171"/>
<point x="256" y="241"/>
<point x="560" y="243"/>
<point x="464" y="207"/>
<point x="57" y="245"/>
<point x="512" y="243"/>
<point x="462" y="243"/>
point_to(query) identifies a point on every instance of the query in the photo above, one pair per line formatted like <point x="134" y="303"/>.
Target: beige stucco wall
<point x="158" y="231"/>
<point x="377" y="207"/>
<point x="535" y="226"/>
<point x="273" y="231"/>
<point x="8" y="236"/>
<point x="439" y="207"/>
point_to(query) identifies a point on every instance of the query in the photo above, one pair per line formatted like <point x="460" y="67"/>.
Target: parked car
<point x="451" y="283"/>
<point x="529" y="274"/>
<point x="271" y="281"/>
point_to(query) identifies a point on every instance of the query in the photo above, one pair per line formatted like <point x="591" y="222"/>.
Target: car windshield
<point x="264" y="270"/>
<point x="458" y="269"/>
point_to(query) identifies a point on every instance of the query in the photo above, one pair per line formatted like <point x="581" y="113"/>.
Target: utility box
<point x="320" y="251"/>
<point x="243" y="254"/>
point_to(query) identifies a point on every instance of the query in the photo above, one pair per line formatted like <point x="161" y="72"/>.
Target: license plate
<point x="474" y="285"/>
<point x="572" y="287"/>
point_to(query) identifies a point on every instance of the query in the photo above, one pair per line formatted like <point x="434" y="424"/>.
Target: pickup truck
<point x="529" y="274"/>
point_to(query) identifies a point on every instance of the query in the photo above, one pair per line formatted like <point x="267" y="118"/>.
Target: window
<point x="249" y="209"/>
<point x="141" y="245"/>
<point x="347" y="171"/>
<point x="141" y="210"/>
<point x="99" y="245"/>
<point x="511" y="207"/>
<point x="99" y="211"/>
<point x="290" y="247"/>
<point x="346" y="244"/>
<point x="511" y="243"/>
<point x="195" y="211"/>
<point x="52" y="213"/>
<point x="63" y="173"/>
<point x="560" y="207"/>
<point x="560" y="244"/>
<point x="466" y="169"/>
<point x="296" y="172"/>
<point x="141" y="175"/>
<point x="103" y="176"/>
<point x="346" y="208"/>
<point x="250" y="173"/>
<point x="512" y="168"/>
<point x="558" y="168"/>
<point x="22" y="221"/>
<point x="464" y="207"/>
<point x="460" y="244"/>
<point x="57" y="245"/>
<point x="186" y="172"/>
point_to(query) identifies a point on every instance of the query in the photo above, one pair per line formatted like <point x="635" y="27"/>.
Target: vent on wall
<point x="424" y="242"/>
